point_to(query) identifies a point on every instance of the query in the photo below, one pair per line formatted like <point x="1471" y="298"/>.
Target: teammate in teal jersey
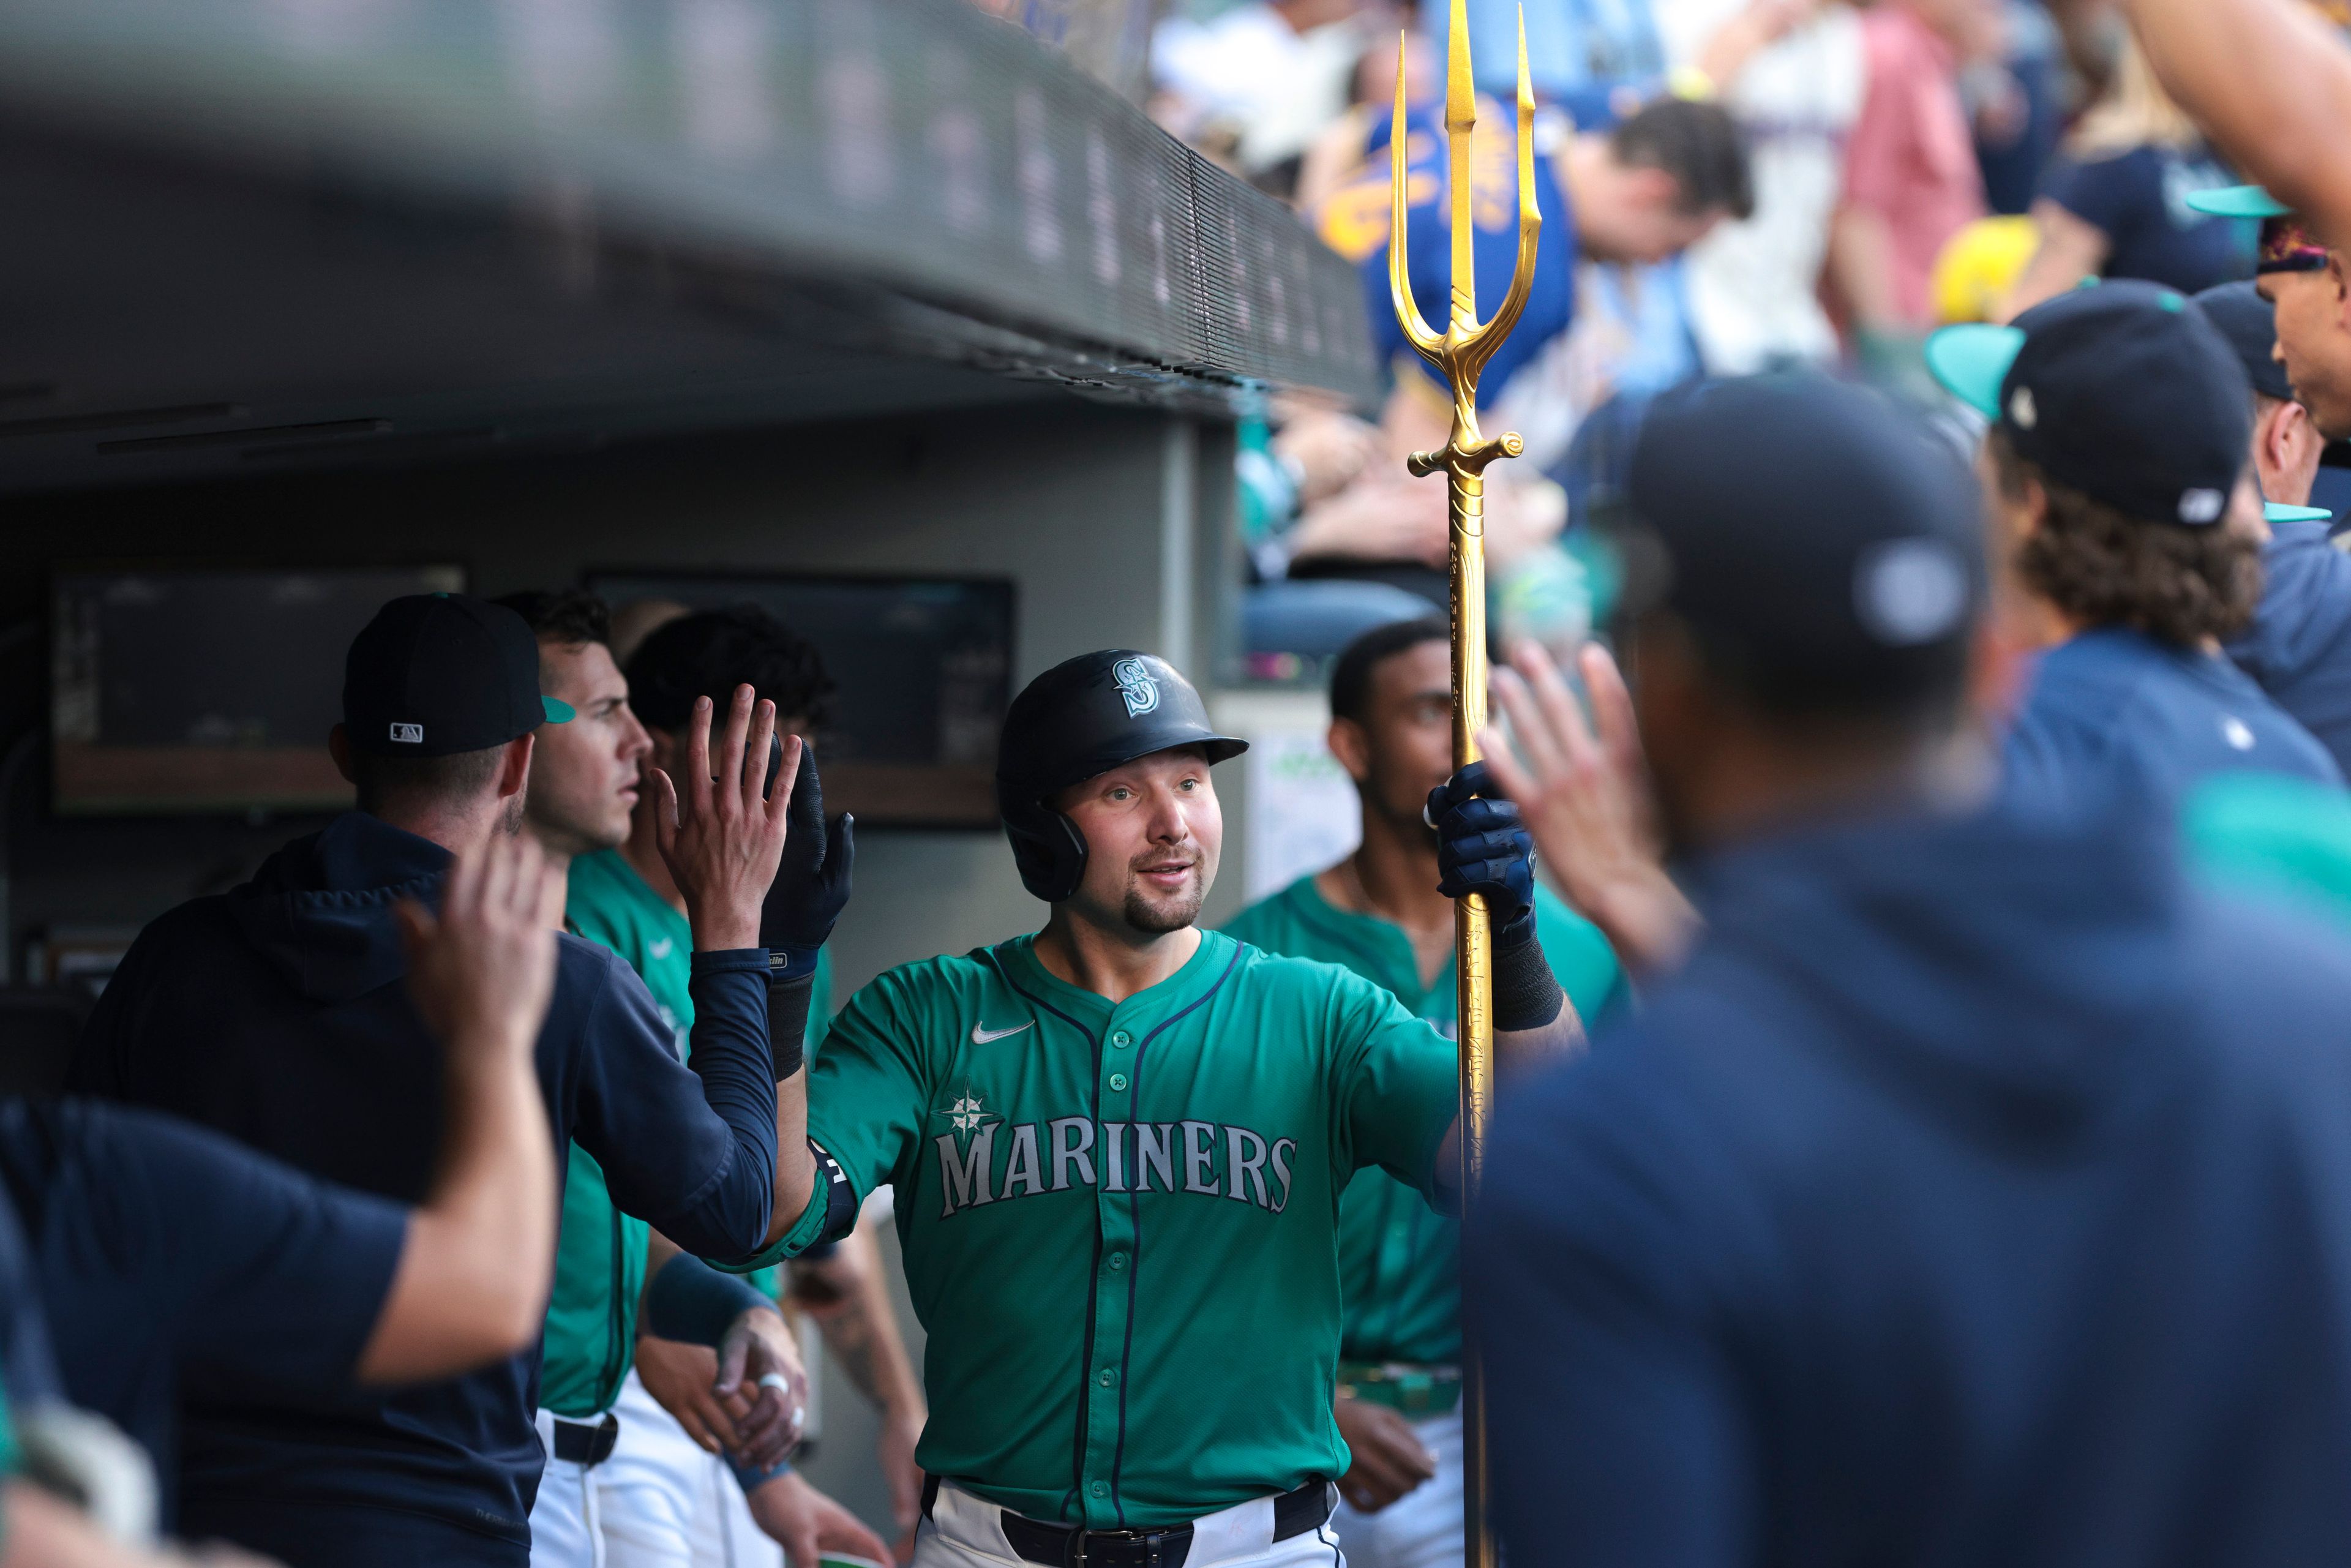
<point x="1118" y="1147"/>
<point x="657" y="1498"/>
<point x="1378" y="913"/>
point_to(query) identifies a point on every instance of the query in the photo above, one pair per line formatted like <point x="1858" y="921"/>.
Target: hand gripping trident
<point x="1461" y="352"/>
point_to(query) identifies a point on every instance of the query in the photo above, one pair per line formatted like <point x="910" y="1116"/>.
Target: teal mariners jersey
<point x="600" y="1260"/>
<point x="1400" y="1260"/>
<point x="1120" y="1222"/>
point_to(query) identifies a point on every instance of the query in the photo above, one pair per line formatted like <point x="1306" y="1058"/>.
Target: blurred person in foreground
<point x="2117" y="203"/>
<point x="626" y="1485"/>
<point x="67" y="1500"/>
<point x="2129" y="536"/>
<point x="276" y="1014"/>
<point x="1975" y="1189"/>
<point x="1379" y="913"/>
<point x="139" y="1250"/>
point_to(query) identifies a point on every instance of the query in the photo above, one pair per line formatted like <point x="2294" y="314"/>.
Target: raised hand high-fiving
<point x="723" y="835"/>
<point x="811" y="885"/>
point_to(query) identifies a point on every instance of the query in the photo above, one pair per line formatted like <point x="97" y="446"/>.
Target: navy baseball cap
<point x="1818" y="539"/>
<point x="2250" y="323"/>
<point x="2123" y="390"/>
<point x="435" y="674"/>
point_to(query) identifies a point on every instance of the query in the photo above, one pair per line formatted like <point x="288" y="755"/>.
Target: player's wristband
<point x="791" y="963"/>
<point x="787" y="1011"/>
<point x="692" y="1303"/>
<point x="751" y="1477"/>
<point x="1526" y="993"/>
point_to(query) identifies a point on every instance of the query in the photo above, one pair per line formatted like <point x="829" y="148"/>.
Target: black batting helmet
<point x="1080" y="718"/>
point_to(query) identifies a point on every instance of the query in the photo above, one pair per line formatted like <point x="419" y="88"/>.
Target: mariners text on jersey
<point x="1120" y="1220"/>
<point x="1217" y="1160"/>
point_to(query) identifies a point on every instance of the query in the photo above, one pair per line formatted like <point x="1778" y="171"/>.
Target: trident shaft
<point x="1460" y="353"/>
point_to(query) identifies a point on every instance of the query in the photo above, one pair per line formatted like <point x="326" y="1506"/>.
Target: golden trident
<point x="1461" y="352"/>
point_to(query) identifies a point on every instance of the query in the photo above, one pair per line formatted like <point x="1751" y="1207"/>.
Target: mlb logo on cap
<point x="463" y="668"/>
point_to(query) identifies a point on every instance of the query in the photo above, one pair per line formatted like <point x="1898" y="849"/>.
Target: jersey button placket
<point x="1113" y="1281"/>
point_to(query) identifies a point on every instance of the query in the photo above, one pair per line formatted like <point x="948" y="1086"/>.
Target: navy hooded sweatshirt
<point x="2299" y="645"/>
<point x="1977" y="1194"/>
<point x="280" y="1014"/>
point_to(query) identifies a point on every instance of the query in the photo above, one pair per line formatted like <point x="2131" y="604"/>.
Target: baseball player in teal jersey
<point x="1379" y="914"/>
<point x="1118" y="1147"/>
<point x="652" y="1496"/>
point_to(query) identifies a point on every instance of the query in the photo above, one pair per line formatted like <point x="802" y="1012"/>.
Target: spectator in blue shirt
<point x="2117" y="466"/>
<point x="1976" y="1190"/>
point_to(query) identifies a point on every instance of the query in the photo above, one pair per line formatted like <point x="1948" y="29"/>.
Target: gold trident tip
<point x="1461" y="351"/>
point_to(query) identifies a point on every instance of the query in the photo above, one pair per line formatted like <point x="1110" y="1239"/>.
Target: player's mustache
<point x="1189" y="852"/>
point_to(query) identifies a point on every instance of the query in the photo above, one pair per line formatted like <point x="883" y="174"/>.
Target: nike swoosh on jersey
<point x="658" y="948"/>
<point x="981" y="1034"/>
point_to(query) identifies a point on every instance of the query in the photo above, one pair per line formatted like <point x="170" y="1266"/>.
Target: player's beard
<point x="1157" y="915"/>
<point x="1401" y="802"/>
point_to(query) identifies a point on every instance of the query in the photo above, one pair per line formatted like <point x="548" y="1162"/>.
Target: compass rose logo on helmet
<point x="1135" y="685"/>
<point x="1079" y="719"/>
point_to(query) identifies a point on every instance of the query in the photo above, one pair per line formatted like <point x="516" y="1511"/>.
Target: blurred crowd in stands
<point x="1901" y="165"/>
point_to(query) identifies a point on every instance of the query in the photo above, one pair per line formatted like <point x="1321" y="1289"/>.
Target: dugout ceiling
<point x="246" y="235"/>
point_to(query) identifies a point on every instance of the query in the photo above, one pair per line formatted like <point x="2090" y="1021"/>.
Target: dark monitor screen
<point x="199" y="690"/>
<point x="922" y="671"/>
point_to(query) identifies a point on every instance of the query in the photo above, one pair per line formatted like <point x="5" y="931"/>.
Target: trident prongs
<point x="1461" y="352"/>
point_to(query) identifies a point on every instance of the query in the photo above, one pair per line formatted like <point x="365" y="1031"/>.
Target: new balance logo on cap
<point x="408" y="734"/>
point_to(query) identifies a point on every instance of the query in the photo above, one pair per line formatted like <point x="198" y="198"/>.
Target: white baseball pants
<point x="664" y="1502"/>
<point x="1421" y="1529"/>
<point x="563" y="1517"/>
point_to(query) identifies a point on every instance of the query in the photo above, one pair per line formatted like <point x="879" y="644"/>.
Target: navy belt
<point x="586" y="1442"/>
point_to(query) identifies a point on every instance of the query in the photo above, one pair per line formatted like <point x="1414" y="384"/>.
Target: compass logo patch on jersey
<point x="1135" y="685"/>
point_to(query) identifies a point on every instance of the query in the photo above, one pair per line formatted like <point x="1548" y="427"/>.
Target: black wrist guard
<point x="787" y="1011"/>
<point x="1526" y="993"/>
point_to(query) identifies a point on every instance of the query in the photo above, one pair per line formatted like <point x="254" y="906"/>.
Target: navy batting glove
<point x="811" y="885"/>
<point x="1483" y="848"/>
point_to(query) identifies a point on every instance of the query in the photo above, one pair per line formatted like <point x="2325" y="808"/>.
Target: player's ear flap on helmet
<point x="1049" y="849"/>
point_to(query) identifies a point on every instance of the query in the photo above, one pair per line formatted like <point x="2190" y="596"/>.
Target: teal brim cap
<point x="1971" y="361"/>
<point x="2279" y="512"/>
<point x="2238" y="202"/>
<point x="558" y="712"/>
